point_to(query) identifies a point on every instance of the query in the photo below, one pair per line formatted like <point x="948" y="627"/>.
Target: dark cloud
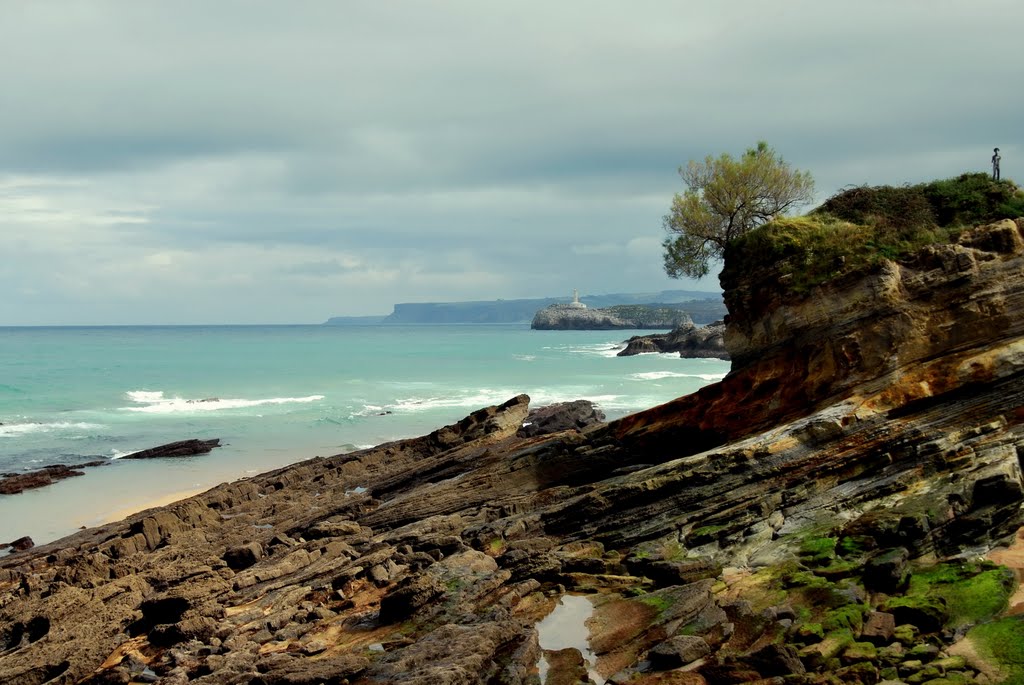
<point x="243" y="161"/>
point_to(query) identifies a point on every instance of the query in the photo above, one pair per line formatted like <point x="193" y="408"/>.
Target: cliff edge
<point x="765" y="529"/>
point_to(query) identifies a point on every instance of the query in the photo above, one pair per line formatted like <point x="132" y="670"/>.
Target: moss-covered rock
<point x="1002" y="643"/>
<point x="859" y="651"/>
<point x="927" y="612"/>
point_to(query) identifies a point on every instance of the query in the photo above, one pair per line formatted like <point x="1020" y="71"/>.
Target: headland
<point x="815" y="517"/>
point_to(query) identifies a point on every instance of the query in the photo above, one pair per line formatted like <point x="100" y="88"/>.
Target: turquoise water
<point x="275" y="395"/>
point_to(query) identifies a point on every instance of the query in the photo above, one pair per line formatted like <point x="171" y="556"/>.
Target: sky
<point x="284" y="162"/>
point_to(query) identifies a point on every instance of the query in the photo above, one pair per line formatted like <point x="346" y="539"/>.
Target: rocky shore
<point x="815" y="517"/>
<point x="691" y="342"/>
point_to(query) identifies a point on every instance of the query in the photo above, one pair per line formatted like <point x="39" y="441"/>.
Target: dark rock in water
<point x="182" y="448"/>
<point x="13" y="483"/>
<point x="19" y="545"/>
<point x="560" y="417"/>
<point x="706" y="342"/>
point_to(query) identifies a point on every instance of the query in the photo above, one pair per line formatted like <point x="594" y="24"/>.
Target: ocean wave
<point x="12" y="430"/>
<point x="481" y="398"/>
<point x="525" y="357"/>
<point x="154" y="402"/>
<point x="658" y="375"/>
<point x="606" y="349"/>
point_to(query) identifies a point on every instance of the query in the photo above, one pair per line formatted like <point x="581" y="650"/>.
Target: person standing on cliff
<point x="995" y="164"/>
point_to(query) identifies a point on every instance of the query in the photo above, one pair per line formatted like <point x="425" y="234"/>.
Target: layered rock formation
<point x="691" y="342"/>
<point x="871" y="423"/>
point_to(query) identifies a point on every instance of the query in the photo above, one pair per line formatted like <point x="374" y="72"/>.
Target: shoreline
<point x="127" y="510"/>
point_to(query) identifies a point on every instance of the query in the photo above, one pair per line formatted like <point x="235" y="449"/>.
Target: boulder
<point x="559" y="417"/>
<point x="706" y="342"/>
<point x="182" y="448"/>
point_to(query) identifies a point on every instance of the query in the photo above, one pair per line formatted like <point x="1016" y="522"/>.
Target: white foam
<point x="156" y="403"/>
<point x="525" y="357"/>
<point x="481" y="398"/>
<point x="607" y="349"/>
<point x="658" y="375"/>
<point x="145" y="396"/>
<point x="12" y="430"/>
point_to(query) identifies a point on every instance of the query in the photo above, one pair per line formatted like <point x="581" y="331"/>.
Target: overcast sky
<point x="283" y="162"/>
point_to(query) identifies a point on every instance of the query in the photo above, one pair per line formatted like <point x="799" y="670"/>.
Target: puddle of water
<point x="564" y="628"/>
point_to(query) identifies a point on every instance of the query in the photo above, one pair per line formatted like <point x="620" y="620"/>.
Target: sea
<point x="274" y="395"/>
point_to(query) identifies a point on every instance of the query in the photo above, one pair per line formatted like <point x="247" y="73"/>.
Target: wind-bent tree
<point x="725" y="198"/>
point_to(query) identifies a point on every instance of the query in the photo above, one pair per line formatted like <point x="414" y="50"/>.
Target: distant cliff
<point x="562" y="317"/>
<point x="702" y="306"/>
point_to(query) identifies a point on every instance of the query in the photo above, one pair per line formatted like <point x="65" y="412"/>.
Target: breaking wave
<point x="11" y="430"/>
<point x="154" y="402"/>
<point x="658" y="375"/>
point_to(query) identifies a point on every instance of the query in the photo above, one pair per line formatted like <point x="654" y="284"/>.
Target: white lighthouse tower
<point x="576" y="304"/>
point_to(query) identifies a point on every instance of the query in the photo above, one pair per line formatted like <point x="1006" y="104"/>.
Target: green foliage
<point x="659" y="603"/>
<point x="850" y="617"/>
<point x="973" y="199"/>
<point x="647" y="314"/>
<point x="966" y="200"/>
<point x="724" y="199"/>
<point x="972" y="592"/>
<point x="1002" y="642"/>
<point x="813" y="249"/>
<point x="861" y="226"/>
<point x="819" y="551"/>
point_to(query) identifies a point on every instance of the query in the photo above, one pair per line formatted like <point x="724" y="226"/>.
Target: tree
<point x="724" y="199"/>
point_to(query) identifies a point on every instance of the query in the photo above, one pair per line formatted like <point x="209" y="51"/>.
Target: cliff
<point x="566" y="317"/>
<point x="704" y="307"/>
<point x="760" y="530"/>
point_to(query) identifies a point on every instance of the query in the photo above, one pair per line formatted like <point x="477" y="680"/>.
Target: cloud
<point x="188" y="161"/>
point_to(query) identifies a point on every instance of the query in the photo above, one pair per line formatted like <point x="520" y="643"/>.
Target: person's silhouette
<point x="995" y="164"/>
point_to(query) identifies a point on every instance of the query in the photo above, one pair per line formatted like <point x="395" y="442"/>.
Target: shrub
<point x="887" y="208"/>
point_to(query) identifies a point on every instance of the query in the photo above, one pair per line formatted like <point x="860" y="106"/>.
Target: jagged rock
<point x="559" y="417"/>
<point x="243" y="556"/>
<point x="182" y="448"/>
<point x="678" y="651"/>
<point x="888" y="572"/>
<point x="20" y="545"/>
<point x="706" y="342"/>
<point x="13" y="483"/>
<point x="878" y="628"/>
<point x="411" y="594"/>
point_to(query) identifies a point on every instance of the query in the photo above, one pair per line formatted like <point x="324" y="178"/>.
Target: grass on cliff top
<point x="864" y="225"/>
<point x="810" y="250"/>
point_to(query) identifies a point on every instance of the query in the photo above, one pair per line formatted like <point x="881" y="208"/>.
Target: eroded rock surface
<point x="691" y="342"/>
<point x="882" y="414"/>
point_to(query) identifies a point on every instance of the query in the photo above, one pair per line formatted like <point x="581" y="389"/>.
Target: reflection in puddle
<point x="565" y="628"/>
